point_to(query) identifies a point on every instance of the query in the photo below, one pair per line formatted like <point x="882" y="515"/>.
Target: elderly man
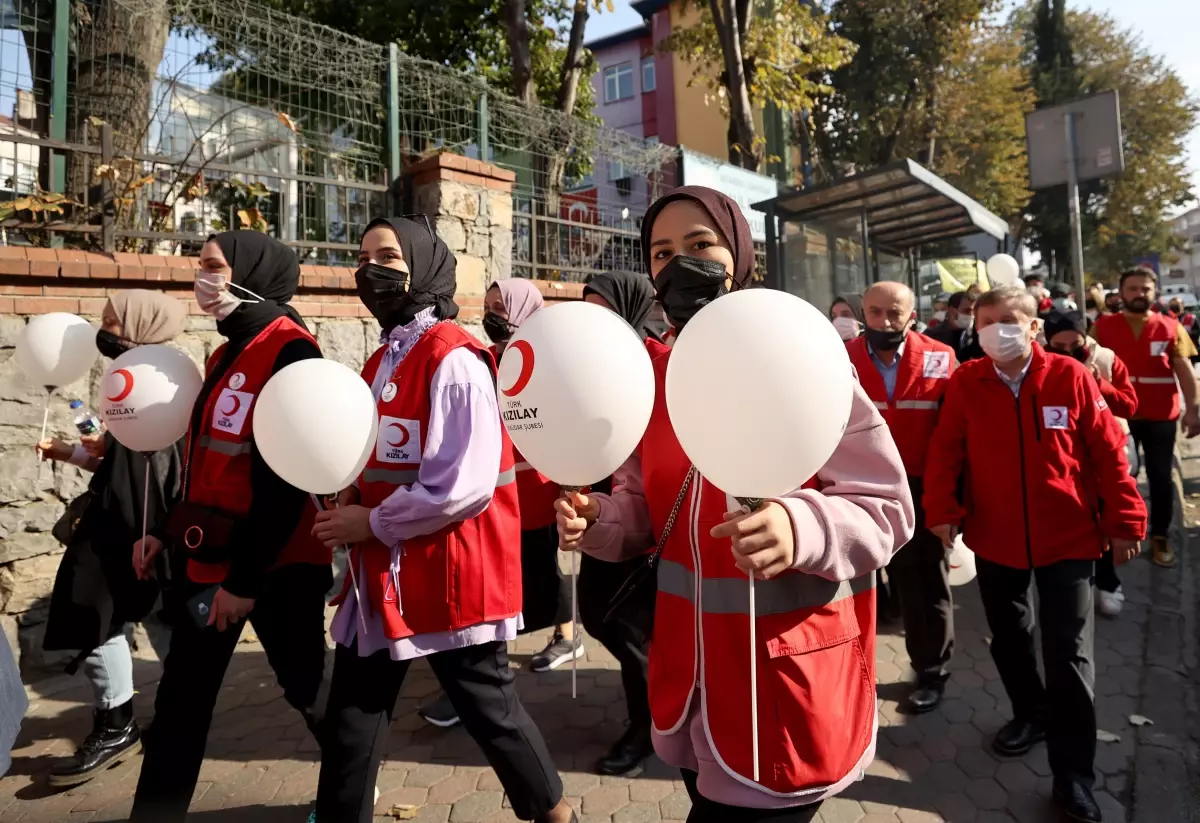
<point x="904" y="373"/>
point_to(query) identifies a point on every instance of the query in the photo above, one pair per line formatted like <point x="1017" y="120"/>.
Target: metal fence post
<point x="395" y="168"/>
<point x="484" y="125"/>
<point x="107" y="205"/>
<point x="58" y="101"/>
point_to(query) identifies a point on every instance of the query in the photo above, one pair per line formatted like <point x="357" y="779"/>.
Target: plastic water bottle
<point x="85" y="421"/>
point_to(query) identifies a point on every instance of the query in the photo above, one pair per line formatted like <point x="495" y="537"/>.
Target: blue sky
<point x="1169" y="28"/>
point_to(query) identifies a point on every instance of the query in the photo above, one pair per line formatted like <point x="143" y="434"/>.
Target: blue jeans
<point x="109" y="668"/>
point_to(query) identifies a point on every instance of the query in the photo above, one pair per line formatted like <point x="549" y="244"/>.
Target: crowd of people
<point x="1007" y="425"/>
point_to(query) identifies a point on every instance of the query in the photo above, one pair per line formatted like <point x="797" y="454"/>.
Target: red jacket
<point x="816" y="640"/>
<point x="218" y="468"/>
<point x="1044" y="474"/>
<point x="921" y="378"/>
<point x="464" y="574"/>
<point x="1119" y="393"/>
<point x="1148" y="358"/>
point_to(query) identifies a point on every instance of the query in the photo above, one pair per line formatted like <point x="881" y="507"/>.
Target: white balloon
<point x="1003" y="270"/>
<point x="56" y="349"/>
<point x="147" y="395"/>
<point x="962" y="563"/>
<point x="315" y="424"/>
<point x="759" y="387"/>
<point x="576" y="389"/>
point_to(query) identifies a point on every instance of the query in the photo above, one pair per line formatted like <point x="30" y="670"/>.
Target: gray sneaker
<point x="440" y="712"/>
<point x="559" y="651"/>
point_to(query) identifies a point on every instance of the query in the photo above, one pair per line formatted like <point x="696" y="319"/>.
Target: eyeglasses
<point x="417" y="217"/>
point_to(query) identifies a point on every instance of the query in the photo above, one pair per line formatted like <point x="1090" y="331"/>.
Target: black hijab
<point x="264" y="266"/>
<point x="432" y="278"/>
<point x="629" y="294"/>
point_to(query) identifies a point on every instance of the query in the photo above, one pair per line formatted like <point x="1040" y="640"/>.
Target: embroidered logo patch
<point x="229" y="415"/>
<point x="1056" y="417"/>
<point x="399" y="440"/>
<point x="937" y="365"/>
<point x="1158" y="348"/>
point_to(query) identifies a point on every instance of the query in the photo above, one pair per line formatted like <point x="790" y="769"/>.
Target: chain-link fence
<point x="145" y="125"/>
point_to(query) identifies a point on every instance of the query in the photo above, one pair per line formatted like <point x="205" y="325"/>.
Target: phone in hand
<point x="200" y="606"/>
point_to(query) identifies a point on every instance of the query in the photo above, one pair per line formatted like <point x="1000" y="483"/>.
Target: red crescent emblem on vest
<point x="522" y="380"/>
<point x="126" y="385"/>
<point x="404" y="436"/>
<point x="237" y="405"/>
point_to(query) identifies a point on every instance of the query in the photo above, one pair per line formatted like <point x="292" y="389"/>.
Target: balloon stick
<point x="753" y="504"/>
<point x="145" y="508"/>
<point x="574" y="606"/>
<point x="362" y="618"/>
<point x="45" y="420"/>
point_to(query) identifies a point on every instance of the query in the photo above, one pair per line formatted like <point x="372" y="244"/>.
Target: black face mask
<point x="111" y="346"/>
<point x="384" y="292"/>
<point x="885" y="339"/>
<point x="1081" y="353"/>
<point x="496" y="328"/>
<point x="688" y="284"/>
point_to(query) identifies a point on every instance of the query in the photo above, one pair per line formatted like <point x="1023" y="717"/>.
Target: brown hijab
<point x="726" y="215"/>
<point x="148" y="316"/>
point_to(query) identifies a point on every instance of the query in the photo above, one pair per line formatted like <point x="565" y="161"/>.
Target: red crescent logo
<point x="237" y="404"/>
<point x="404" y="438"/>
<point x="126" y="388"/>
<point x="522" y="380"/>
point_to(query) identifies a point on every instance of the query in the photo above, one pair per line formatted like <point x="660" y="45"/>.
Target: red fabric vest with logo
<point x="921" y="378"/>
<point x="467" y="573"/>
<point x="218" y="469"/>
<point x="1148" y="358"/>
<point x="816" y="641"/>
<point x="537" y="492"/>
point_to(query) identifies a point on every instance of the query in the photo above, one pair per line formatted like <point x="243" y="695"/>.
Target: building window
<point x="616" y="170"/>
<point x="652" y="140"/>
<point x="649" y="82"/>
<point x="618" y="82"/>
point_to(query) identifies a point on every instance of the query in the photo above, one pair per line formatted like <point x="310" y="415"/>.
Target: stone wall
<point x="473" y="210"/>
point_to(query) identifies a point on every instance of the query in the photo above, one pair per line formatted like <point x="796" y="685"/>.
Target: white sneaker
<point x="1109" y="603"/>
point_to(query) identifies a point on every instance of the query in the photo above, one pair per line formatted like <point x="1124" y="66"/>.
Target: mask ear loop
<point x="257" y="298"/>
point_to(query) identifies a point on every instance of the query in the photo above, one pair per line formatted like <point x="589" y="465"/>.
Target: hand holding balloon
<point x="343" y="526"/>
<point x="144" y="552"/>
<point x="574" y="513"/>
<point x="764" y="542"/>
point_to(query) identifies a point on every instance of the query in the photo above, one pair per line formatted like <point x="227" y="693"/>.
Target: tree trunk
<point x="117" y="58"/>
<point x="516" y="31"/>
<point x="572" y="67"/>
<point x="743" y="151"/>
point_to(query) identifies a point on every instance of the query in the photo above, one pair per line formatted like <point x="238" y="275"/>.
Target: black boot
<point x="627" y="753"/>
<point x="114" y="737"/>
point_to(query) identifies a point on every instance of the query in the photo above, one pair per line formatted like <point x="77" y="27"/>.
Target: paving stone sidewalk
<point x="262" y="766"/>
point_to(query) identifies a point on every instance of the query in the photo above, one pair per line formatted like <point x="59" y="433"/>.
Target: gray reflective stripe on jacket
<point x="930" y="405"/>
<point x="1155" y="381"/>
<point x="785" y="593"/>
<point x="399" y="477"/>
<point x="224" y="446"/>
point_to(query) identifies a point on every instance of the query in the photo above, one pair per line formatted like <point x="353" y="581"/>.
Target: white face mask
<point x="847" y="327"/>
<point x="1092" y="314"/>
<point x="1004" y="342"/>
<point x="963" y="321"/>
<point x="213" y="295"/>
<point x="939" y="316"/>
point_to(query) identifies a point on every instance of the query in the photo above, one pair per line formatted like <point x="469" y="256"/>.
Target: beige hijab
<point x="148" y="316"/>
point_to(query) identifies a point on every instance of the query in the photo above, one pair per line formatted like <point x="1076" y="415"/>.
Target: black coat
<point x="96" y="592"/>
<point x="964" y="342"/>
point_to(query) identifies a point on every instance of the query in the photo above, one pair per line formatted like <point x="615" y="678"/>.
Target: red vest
<point x="218" y="469"/>
<point x="464" y="574"/>
<point x="921" y="378"/>
<point x="1148" y="358"/>
<point x="816" y="641"/>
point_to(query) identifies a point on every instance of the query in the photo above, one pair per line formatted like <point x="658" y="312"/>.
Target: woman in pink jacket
<point x="814" y="554"/>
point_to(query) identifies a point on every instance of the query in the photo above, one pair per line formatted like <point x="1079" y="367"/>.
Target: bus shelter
<point x="841" y="237"/>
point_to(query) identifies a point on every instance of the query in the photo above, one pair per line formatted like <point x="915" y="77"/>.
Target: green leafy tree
<point x="753" y="52"/>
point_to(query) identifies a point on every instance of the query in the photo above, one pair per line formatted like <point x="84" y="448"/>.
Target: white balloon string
<point x="45" y="420"/>
<point x="574" y="621"/>
<point x="145" y="509"/>
<point x="753" y="680"/>
<point x="362" y="617"/>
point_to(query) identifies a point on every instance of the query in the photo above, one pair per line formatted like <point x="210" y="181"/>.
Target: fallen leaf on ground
<point x="405" y="812"/>
<point x="1138" y="720"/>
<point x="1107" y="737"/>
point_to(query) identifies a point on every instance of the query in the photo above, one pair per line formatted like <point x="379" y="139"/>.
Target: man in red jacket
<point x="905" y="373"/>
<point x="1040" y="462"/>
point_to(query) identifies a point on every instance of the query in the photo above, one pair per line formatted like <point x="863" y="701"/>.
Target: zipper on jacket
<point x="1037" y="414"/>
<point x="1024" y="489"/>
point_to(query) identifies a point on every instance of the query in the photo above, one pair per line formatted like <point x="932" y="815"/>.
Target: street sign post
<point x="1074" y="143"/>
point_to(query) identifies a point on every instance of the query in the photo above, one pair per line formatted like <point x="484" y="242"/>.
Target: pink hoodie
<point x="852" y="526"/>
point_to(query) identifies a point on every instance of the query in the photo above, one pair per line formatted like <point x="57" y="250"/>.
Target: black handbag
<point x="639" y="588"/>
<point x="64" y="529"/>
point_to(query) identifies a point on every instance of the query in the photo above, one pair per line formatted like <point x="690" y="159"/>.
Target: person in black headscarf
<point x="626" y="631"/>
<point x="435" y="534"/>
<point x="240" y="533"/>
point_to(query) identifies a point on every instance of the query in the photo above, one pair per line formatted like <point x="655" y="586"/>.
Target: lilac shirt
<point x="862" y="514"/>
<point x="456" y="481"/>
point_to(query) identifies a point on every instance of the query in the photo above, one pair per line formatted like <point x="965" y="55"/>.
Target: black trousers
<point x="478" y="682"/>
<point x="289" y="619"/>
<point x="1106" y="573"/>
<point x="1157" y="441"/>
<point x="546" y="591"/>
<point x="1065" y="703"/>
<point x="627" y="634"/>
<point x="708" y="811"/>
<point x="920" y="572"/>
